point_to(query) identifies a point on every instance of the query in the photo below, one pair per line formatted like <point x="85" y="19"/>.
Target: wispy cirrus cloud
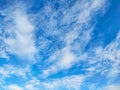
<point x="77" y="36"/>
<point x="9" y="70"/>
<point x="60" y="36"/>
<point x="71" y="82"/>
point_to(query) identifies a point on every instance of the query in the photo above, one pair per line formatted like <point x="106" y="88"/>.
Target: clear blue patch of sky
<point x="15" y="80"/>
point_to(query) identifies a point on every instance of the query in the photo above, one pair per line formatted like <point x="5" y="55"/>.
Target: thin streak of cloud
<point x="14" y="87"/>
<point x="80" y="20"/>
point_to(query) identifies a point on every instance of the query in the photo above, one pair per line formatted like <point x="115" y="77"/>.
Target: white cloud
<point x="8" y="70"/>
<point x="107" y="59"/>
<point x="20" y="31"/>
<point x="3" y="50"/>
<point x="21" y="43"/>
<point x="81" y="16"/>
<point x="3" y="54"/>
<point x="14" y="87"/>
<point x="71" y="82"/>
<point x="65" y="61"/>
<point x="110" y="87"/>
<point x="33" y="84"/>
<point x="112" y="53"/>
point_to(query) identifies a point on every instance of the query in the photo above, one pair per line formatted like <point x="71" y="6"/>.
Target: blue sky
<point x="59" y="45"/>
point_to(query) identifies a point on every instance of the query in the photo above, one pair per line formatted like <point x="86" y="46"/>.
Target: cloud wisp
<point x="77" y="36"/>
<point x="54" y="40"/>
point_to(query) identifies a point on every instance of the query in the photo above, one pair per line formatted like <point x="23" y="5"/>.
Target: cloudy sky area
<point x="59" y="45"/>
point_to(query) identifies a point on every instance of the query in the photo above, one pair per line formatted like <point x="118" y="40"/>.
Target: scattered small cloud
<point x="14" y="87"/>
<point x="110" y="87"/>
<point x="59" y="37"/>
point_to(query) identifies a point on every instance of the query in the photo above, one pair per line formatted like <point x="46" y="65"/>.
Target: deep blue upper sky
<point x="59" y="45"/>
